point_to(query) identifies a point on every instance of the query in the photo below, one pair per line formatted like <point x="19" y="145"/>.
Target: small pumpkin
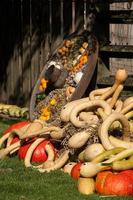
<point x="39" y="154"/>
<point x="110" y="183"/>
<point x="16" y="126"/>
<point x="75" y="172"/>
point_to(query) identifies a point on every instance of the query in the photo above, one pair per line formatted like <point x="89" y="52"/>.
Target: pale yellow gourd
<point x="92" y="151"/>
<point x="86" y="185"/>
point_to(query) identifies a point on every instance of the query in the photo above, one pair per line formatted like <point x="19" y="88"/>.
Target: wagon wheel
<point x="85" y="81"/>
<point x="87" y="72"/>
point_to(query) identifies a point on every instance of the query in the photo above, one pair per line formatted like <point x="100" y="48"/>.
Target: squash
<point x="92" y="151"/>
<point x="109" y="183"/>
<point x="39" y="154"/>
<point x="86" y="185"/>
<point x="75" y="171"/>
<point x="89" y="169"/>
<point x="103" y="131"/>
<point x="68" y="167"/>
<point x="18" y="125"/>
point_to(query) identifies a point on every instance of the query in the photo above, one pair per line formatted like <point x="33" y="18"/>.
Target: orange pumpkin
<point x="75" y="172"/>
<point x="110" y="183"/>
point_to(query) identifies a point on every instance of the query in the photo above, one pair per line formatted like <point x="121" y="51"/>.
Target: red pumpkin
<point x="39" y="154"/>
<point x="75" y="172"/>
<point x="16" y="126"/>
<point x="15" y="139"/>
<point x="110" y="183"/>
<point x="23" y="150"/>
<point x="128" y="172"/>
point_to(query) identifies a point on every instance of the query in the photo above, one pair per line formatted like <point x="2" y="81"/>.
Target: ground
<point x="19" y="183"/>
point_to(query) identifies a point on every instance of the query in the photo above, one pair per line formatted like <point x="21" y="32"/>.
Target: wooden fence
<point x="30" y="30"/>
<point x="121" y="34"/>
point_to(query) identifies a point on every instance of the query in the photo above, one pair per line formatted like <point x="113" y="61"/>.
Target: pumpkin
<point x="16" y="126"/>
<point x="14" y="140"/>
<point x="110" y="183"/>
<point x="86" y="185"/>
<point x="39" y="154"/>
<point x="75" y="172"/>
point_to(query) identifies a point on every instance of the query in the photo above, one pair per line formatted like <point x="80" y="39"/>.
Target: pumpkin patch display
<point x="110" y="183"/>
<point x="84" y="132"/>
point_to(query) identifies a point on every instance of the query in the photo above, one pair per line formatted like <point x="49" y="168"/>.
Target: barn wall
<point x="121" y="34"/>
<point x="32" y="29"/>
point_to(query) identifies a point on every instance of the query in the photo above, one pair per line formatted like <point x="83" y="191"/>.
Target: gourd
<point x="123" y="164"/>
<point x="106" y="154"/>
<point x="103" y="131"/>
<point x="92" y="151"/>
<point x="86" y="185"/>
<point x="89" y="169"/>
<point x="68" y="167"/>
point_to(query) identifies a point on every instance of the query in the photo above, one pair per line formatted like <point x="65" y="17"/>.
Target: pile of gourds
<point x="13" y="111"/>
<point x="104" y="167"/>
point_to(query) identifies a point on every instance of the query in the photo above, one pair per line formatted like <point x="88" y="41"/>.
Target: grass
<point x="19" y="183"/>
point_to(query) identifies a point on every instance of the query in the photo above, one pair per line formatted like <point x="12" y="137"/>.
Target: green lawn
<point x="19" y="183"/>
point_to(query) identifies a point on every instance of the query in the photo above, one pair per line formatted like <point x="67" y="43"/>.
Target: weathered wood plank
<point x="35" y="60"/>
<point x="121" y="37"/>
<point x="27" y="38"/>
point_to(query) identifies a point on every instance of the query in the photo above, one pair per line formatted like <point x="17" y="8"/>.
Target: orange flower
<point x="45" y="114"/>
<point x="53" y="102"/>
<point x="45" y="111"/>
<point x="44" y="118"/>
<point x="84" y="59"/>
<point x="40" y="88"/>
<point x="43" y="84"/>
